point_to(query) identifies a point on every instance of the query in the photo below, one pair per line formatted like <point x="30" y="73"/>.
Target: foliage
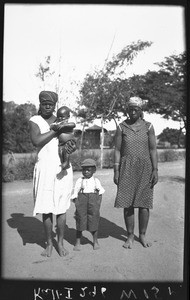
<point x="165" y="89"/>
<point x="104" y="92"/>
<point x="174" y="136"/>
<point x="44" y="69"/>
<point x="170" y="155"/>
<point x="22" y="169"/>
<point x="16" y="136"/>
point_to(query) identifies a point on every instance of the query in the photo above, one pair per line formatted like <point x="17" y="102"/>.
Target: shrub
<point x="21" y="170"/>
<point x="8" y="174"/>
<point x="171" y="155"/>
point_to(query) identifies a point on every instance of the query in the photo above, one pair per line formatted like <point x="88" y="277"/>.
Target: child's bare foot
<point x="129" y="242"/>
<point x="62" y="251"/>
<point x="96" y="246"/>
<point x="144" y="242"/>
<point x="48" y="251"/>
<point x="77" y="247"/>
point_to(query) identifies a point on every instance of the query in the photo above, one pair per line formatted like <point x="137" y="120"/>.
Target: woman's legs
<point x="61" y="222"/>
<point x="48" y="224"/>
<point x="143" y="223"/>
<point x="129" y="222"/>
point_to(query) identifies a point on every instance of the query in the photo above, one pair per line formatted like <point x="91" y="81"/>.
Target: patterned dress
<point x="52" y="186"/>
<point x="134" y="188"/>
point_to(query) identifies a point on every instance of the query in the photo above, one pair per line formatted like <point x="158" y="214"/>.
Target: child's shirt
<point x="88" y="185"/>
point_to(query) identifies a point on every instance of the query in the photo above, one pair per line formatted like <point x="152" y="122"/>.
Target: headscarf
<point x="136" y="101"/>
<point x="47" y="95"/>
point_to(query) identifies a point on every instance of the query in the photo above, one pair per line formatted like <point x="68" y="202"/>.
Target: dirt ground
<point x="23" y="237"/>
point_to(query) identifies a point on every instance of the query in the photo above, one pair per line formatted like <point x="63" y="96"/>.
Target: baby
<point x="63" y="115"/>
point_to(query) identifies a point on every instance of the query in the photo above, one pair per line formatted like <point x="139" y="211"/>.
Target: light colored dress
<point x="52" y="186"/>
<point x="134" y="187"/>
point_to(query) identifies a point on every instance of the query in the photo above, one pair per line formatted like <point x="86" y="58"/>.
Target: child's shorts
<point x="88" y="211"/>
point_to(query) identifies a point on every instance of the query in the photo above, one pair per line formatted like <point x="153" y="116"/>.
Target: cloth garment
<point x="48" y="96"/>
<point x="52" y="186"/>
<point x="88" y="211"/>
<point x="136" y="101"/>
<point x="89" y="185"/>
<point x="134" y="188"/>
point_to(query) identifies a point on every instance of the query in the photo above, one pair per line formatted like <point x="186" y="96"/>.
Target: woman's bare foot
<point x="144" y="242"/>
<point x="129" y="242"/>
<point x="96" y="246"/>
<point x="62" y="251"/>
<point x="48" y="251"/>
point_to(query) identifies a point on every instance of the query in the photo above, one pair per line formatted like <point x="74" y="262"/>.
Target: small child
<point x="63" y="115"/>
<point x="87" y="197"/>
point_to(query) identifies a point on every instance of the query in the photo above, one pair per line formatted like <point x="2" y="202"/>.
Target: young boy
<point x="63" y="115"/>
<point x="87" y="197"/>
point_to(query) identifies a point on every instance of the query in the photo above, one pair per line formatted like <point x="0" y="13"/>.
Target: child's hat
<point x="89" y="162"/>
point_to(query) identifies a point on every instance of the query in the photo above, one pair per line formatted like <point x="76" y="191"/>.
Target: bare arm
<point x="153" y="156"/>
<point x="117" y="153"/>
<point x="40" y="139"/>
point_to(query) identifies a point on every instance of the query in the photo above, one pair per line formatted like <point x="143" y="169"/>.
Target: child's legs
<point x="93" y="217"/>
<point x="77" y="246"/>
<point x="81" y="212"/>
<point x="64" y="156"/>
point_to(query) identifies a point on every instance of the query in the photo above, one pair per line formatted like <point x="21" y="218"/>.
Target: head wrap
<point x="136" y="101"/>
<point x="48" y="96"/>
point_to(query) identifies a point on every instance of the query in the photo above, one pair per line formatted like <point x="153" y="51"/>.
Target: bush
<point x="20" y="170"/>
<point x="170" y="155"/>
<point x="8" y="174"/>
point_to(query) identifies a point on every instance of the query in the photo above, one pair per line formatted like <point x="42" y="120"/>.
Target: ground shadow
<point x="30" y="229"/>
<point x="108" y="228"/>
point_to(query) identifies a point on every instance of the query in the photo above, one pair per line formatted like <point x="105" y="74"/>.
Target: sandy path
<point x="23" y="239"/>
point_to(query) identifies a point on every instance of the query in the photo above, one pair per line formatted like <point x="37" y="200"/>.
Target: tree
<point x="104" y="91"/>
<point x="165" y="89"/>
<point x="101" y="91"/>
<point x="174" y="136"/>
<point x="44" y="71"/>
<point x="16" y="136"/>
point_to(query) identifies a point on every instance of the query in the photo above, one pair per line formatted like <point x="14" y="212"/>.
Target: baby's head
<point x="88" y="167"/>
<point x="63" y="113"/>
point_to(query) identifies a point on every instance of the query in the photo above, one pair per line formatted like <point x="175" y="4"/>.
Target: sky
<point x="79" y="38"/>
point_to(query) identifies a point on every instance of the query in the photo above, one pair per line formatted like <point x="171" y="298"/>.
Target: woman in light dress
<point x="52" y="186"/>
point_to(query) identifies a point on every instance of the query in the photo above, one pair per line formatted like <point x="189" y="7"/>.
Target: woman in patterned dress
<point x="52" y="186"/>
<point x="135" y="169"/>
